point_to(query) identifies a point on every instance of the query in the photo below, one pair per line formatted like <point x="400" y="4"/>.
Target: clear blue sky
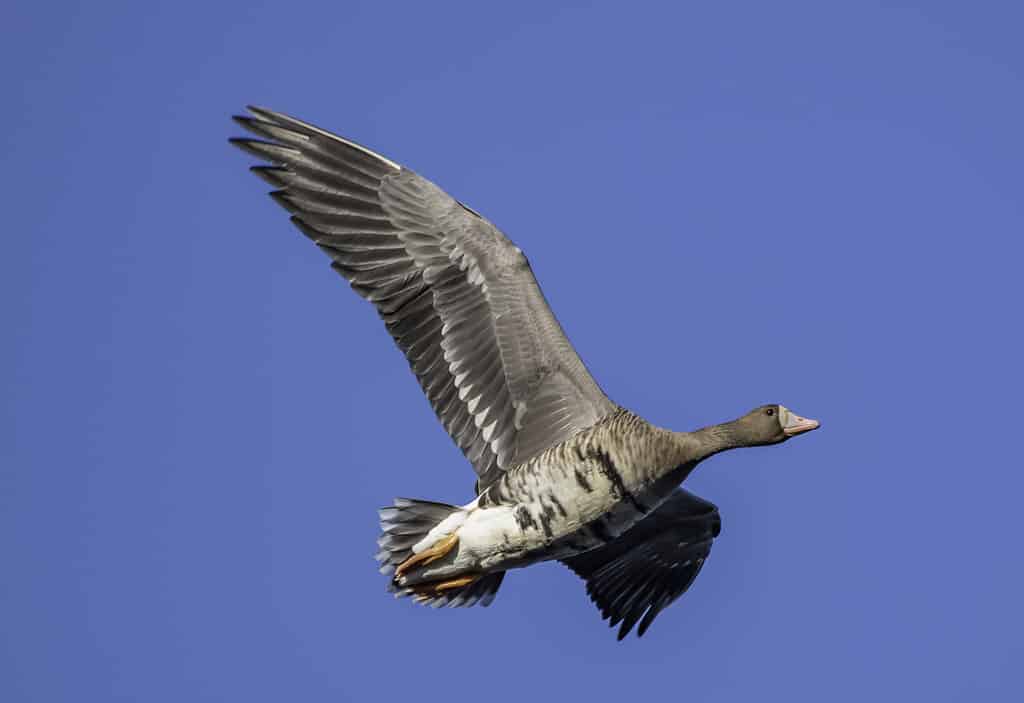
<point x="727" y="204"/>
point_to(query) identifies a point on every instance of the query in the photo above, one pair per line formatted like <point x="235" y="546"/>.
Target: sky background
<point x="727" y="204"/>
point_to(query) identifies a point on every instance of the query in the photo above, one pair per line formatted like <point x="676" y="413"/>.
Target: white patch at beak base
<point x="793" y="424"/>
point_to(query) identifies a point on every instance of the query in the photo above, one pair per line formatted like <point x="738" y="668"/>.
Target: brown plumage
<point x="563" y="472"/>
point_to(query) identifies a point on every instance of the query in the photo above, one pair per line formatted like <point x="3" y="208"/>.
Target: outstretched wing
<point x="458" y="298"/>
<point x="643" y="571"/>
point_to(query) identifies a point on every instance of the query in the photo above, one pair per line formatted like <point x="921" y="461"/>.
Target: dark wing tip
<point x="249" y="145"/>
<point x="264" y="112"/>
<point x="242" y="119"/>
<point x="243" y="143"/>
<point x="251" y="122"/>
<point x="310" y="232"/>
<point x="281" y="198"/>
<point x="270" y="174"/>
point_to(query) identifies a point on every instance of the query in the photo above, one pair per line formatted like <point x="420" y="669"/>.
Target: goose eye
<point x="770" y="411"/>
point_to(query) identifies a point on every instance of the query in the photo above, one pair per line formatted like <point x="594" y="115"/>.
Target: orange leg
<point x="433" y="553"/>
<point x="457" y="582"/>
<point x="426" y="591"/>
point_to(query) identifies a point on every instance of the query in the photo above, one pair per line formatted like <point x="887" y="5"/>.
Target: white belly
<point x="488" y="536"/>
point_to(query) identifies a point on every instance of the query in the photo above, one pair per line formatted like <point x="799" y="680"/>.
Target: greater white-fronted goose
<point x="562" y="471"/>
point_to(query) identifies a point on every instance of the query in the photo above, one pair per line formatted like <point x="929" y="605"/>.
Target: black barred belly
<point x="567" y="507"/>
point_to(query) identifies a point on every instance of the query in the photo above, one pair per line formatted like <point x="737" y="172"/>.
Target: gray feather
<point x="457" y="296"/>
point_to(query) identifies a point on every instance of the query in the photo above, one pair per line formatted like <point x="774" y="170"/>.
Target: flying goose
<point x="562" y="471"/>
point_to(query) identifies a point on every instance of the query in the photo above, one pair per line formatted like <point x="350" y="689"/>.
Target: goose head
<point x="771" y="424"/>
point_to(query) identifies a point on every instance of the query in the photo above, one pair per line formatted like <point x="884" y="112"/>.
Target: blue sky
<point x="727" y="204"/>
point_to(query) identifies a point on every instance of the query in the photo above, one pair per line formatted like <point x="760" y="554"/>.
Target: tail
<point x="406" y="523"/>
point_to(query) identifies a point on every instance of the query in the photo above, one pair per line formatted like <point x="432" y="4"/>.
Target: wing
<point x="642" y="572"/>
<point x="458" y="298"/>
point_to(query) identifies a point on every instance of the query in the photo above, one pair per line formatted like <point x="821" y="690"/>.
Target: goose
<point x="563" y="473"/>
